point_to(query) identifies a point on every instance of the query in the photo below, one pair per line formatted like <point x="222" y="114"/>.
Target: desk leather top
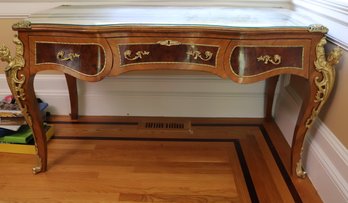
<point x="170" y="16"/>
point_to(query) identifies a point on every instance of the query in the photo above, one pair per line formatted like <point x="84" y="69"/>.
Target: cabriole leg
<point x="33" y="114"/>
<point x="21" y="85"/>
<point x="301" y="130"/>
<point x="320" y="85"/>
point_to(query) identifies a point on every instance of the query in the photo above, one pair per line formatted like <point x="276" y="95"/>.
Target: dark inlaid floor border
<point x="243" y="163"/>
<point x="274" y="152"/>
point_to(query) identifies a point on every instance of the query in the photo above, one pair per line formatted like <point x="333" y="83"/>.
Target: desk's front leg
<point x="21" y="84"/>
<point x="33" y="117"/>
<point x="320" y="85"/>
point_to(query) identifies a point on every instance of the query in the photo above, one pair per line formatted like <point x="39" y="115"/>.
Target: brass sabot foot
<point x="36" y="169"/>
<point x="300" y="171"/>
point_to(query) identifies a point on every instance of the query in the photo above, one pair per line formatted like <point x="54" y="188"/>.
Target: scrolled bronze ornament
<point x="16" y="80"/>
<point x="324" y="83"/>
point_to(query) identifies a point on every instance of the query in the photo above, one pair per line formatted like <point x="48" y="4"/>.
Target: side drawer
<point x="251" y="58"/>
<point x="79" y="56"/>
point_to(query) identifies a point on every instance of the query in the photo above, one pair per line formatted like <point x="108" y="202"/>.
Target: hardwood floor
<point x="180" y="160"/>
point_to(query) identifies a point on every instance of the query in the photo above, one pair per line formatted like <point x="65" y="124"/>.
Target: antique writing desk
<point x="243" y="45"/>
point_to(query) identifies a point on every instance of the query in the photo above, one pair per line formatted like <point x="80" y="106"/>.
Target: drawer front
<point x="167" y="51"/>
<point x="253" y="60"/>
<point x="85" y="58"/>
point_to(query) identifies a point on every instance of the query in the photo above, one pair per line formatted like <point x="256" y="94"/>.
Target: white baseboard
<point x="197" y="95"/>
<point x="325" y="157"/>
<point x="328" y="165"/>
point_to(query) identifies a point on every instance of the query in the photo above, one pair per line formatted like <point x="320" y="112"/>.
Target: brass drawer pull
<point x="138" y="55"/>
<point x="267" y="58"/>
<point x="70" y="57"/>
<point x="198" y="54"/>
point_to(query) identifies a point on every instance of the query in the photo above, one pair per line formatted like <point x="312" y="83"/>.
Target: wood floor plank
<point x="282" y="189"/>
<point x="226" y="163"/>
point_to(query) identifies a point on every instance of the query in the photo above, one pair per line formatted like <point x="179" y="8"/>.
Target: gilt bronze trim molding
<point x="318" y="28"/>
<point x="25" y="24"/>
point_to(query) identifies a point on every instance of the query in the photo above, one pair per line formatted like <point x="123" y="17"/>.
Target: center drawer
<point x="153" y="53"/>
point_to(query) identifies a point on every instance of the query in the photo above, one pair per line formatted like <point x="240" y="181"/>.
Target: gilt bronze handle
<point x="198" y="55"/>
<point x="138" y="55"/>
<point x="69" y="57"/>
<point x="276" y="59"/>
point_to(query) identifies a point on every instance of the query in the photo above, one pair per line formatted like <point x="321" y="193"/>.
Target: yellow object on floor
<point x="24" y="148"/>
